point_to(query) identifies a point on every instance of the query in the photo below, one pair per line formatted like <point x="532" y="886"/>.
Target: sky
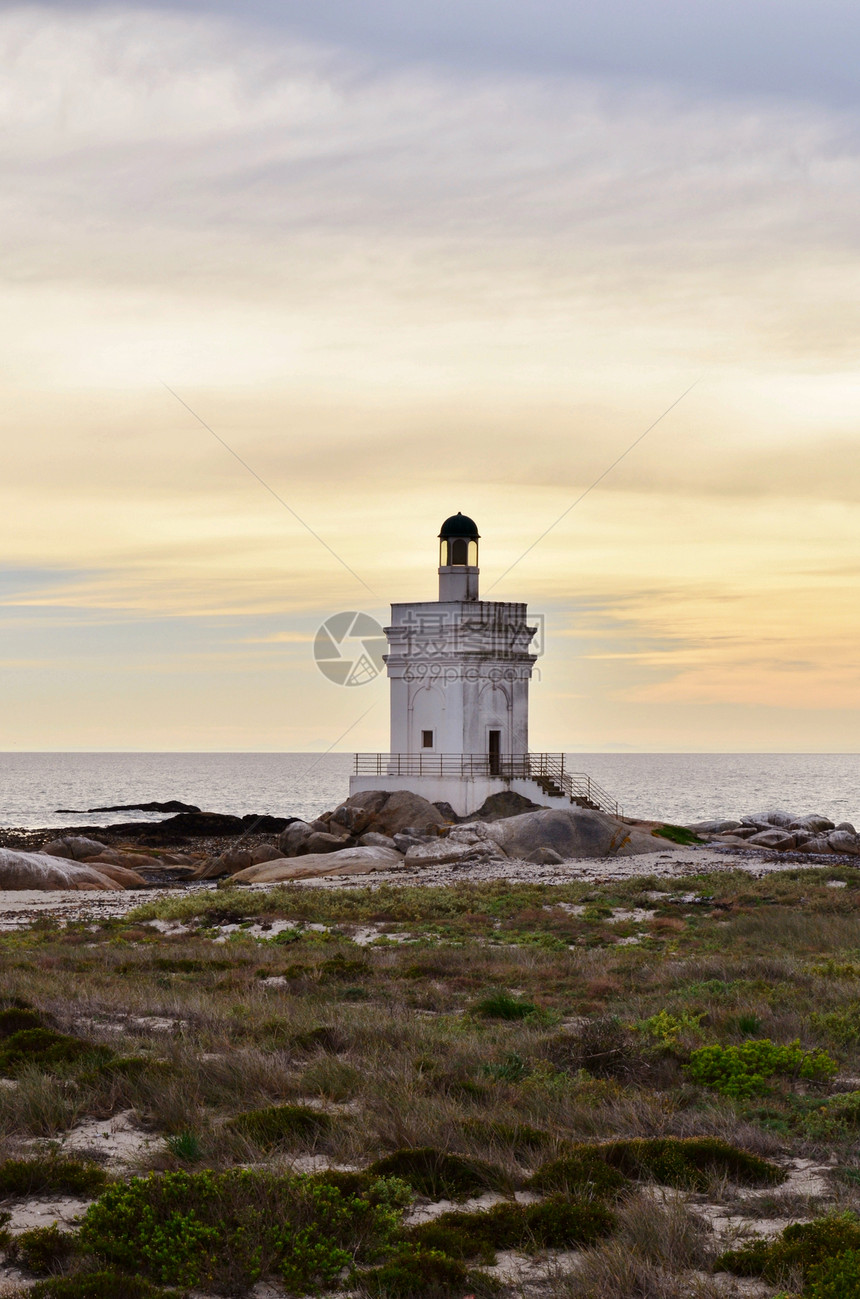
<point x="284" y="284"/>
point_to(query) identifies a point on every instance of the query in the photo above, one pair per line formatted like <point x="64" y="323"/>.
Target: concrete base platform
<point x="464" y="793"/>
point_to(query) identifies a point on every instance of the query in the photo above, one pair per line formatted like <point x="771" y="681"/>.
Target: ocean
<point x="677" y="787"/>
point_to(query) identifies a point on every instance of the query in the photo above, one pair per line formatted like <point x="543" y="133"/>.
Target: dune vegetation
<point x="633" y="1091"/>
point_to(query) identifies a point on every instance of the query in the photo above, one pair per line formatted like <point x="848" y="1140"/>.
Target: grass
<point x="509" y="1047"/>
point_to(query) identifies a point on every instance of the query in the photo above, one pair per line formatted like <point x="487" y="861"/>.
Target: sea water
<point x="677" y="787"/>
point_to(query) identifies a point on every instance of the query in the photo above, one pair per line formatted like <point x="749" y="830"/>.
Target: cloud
<point x="786" y="47"/>
<point x="398" y="287"/>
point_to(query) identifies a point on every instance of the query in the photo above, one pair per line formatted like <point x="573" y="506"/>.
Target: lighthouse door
<point x="494" y="752"/>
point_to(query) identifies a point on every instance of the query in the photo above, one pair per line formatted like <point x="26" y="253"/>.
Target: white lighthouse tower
<point x="459" y="669"/>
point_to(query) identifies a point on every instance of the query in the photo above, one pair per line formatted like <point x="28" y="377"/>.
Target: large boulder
<point x="815" y="844"/>
<point x="74" y="847"/>
<point x="813" y="823"/>
<point x="506" y="803"/>
<point x="349" y="861"/>
<point x="386" y="813"/>
<point x="444" y="852"/>
<point x="842" y="841"/>
<point x="574" y="833"/>
<point x="713" y="827"/>
<point x="132" y="861"/>
<point x="779" y="840"/>
<point x="781" y="820"/>
<point x="45" y="872"/>
<point x="320" y="841"/>
<point x="292" y="841"/>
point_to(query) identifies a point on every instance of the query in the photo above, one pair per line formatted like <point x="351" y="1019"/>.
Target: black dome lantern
<point x="458" y="542"/>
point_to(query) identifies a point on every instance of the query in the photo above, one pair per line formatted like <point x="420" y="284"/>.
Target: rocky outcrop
<point x="348" y="861"/>
<point x="74" y="847"/>
<point x="569" y="833"/>
<point x="780" y="831"/>
<point x="45" y="872"/>
<point x="173" y="805"/>
<point x="505" y="804"/>
<point x="237" y="859"/>
<point x="373" y="812"/>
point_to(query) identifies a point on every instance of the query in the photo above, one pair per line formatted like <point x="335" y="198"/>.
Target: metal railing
<point x="548" y="770"/>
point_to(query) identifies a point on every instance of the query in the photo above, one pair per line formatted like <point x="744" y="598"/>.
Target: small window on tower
<point x="459" y="551"/>
<point x="426" y="739"/>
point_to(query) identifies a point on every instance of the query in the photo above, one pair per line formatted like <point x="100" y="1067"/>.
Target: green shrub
<point x="344" y="967"/>
<point x="512" y="1069"/>
<point x="99" y="1285"/>
<point x="327" y="1076"/>
<point x="504" y="1005"/>
<point x="51" y="1175"/>
<point x="835" y="1278"/>
<point x="556" y="1222"/>
<point x="522" y="1138"/>
<point x="666" y="1029"/>
<point x="14" y="1019"/>
<point x="677" y="834"/>
<point x="227" y="1230"/>
<point x="280" y="1125"/>
<point x="426" y="1272"/>
<point x="185" y="1145"/>
<point x="583" y="1172"/>
<point x="321" y="1038"/>
<point x="802" y="1245"/>
<point x="43" y="1249"/>
<point x="48" y="1050"/>
<point x="438" y="1175"/>
<point x="748" y="1069"/>
<point x="841" y="1027"/>
<point x="602" y="1171"/>
<point x="419" y="1272"/>
<point x="689" y="1162"/>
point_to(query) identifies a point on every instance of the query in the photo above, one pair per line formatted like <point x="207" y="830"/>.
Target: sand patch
<point x="116" y="1141"/>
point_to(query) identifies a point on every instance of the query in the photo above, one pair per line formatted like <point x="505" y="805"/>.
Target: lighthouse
<point x="459" y="670"/>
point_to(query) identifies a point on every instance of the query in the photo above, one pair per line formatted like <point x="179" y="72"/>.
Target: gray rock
<point x="546" y="857"/>
<point x="443" y="852"/>
<point x="292" y="841"/>
<point x="713" y="827"/>
<point x="374" y="840"/>
<point x="845" y="825"/>
<point x="265" y="852"/>
<point x="74" y="847"/>
<point x="781" y="820"/>
<point x="392" y="813"/>
<point x="506" y="803"/>
<point x="779" y="840"/>
<point x="319" y="842"/>
<point x="403" y="842"/>
<point x="815" y="844"/>
<point x="842" y="841"/>
<point x="349" y="861"/>
<point x="745" y="831"/>
<point x="574" y="833"/>
<point x="47" y="872"/>
<point x="812" y="823"/>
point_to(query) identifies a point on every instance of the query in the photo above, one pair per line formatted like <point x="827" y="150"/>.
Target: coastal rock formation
<point x="349" y="861"/>
<point x="780" y="831"/>
<point x="74" y="847"/>
<point x="570" y="833"/>
<point x="237" y="859"/>
<point x="46" y="872"/>
<point x="371" y="812"/>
